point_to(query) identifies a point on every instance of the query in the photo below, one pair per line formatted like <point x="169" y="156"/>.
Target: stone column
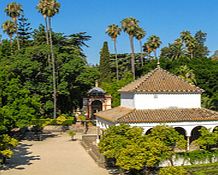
<point x="188" y="143"/>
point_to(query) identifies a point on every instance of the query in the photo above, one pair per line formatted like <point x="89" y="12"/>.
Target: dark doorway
<point x="96" y="106"/>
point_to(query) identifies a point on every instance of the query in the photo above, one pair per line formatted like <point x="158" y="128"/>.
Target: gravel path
<point x="55" y="155"/>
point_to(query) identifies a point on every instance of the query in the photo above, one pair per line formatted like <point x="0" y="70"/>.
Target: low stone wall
<point x="89" y="143"/>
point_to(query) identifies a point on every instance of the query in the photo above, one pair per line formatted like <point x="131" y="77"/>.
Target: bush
<point x="172" y="170"/>
<point x="61" y="119"/>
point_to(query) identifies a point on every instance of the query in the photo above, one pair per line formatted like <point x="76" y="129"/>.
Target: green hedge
<point x="203" y="169"/>
<point x="41" y="122"/>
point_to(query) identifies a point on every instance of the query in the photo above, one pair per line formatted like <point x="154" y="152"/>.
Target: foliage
<point x="172" y="171"/>
<point x="113" y="87"/>
<point x="208" y="140"/>
<point x="24" y="31"/>
<point x="203" y="169"/>
<point x="60" y="119"/>
<point x="7" y="143"/>
<point x="71" y="133"/>
<point x="132" y="150"/>
<point x="104" y="67"/>
<point x="169" y="136"/>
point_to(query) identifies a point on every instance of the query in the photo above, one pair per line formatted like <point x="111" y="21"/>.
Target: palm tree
<point x="187" y="74"/>
<point x="114" y="31"/>
<point x="42" y="7"/>
<point x="177" y="48"/>
<point x="9" y="28"/>
<point x="154" y="43"/>
<point x="140" y="34"/>
<point x="147" y="49"/>
<point x="49" y="8"/>
<point x="130" y="25"/>
<point x="14" y="10"/>
<point x="190" y="42"/>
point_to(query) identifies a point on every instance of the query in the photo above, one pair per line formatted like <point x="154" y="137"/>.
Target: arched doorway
<point x="181" y="131"/>
<point x="195" y="134"/>
<point x="215" y="129"/>
<point x="96" y="106"/>
<point x="148" y="131"/>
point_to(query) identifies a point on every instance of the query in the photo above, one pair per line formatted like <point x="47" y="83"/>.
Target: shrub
<point x="172" y="170"/>
<point x="61" y="119"/>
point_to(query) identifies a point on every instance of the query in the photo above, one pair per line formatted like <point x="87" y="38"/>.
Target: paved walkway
<point x="56" y="155"/>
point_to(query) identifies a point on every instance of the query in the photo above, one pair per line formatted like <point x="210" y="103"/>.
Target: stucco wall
<point x="127" y="100"/>
<point x="157" y="101"/>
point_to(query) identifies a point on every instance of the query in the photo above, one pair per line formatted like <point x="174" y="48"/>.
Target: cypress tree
<point x="104" y="68"/>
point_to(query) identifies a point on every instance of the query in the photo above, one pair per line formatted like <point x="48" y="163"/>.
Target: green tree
<point x="170" y="137"/>
<point x="7" y="143"/>
<point x="24" y="31"/>
<point x="187" y="74"/>
<point x="140" y="34"/>
<point x="14" y="10"/>
<point x="130" y="25"/>
<point x="50" y="8"/>
<point x="201" y="51"/>
<point x="190" y="42"/>
<point x="208" y="140"/>
<point x="114" y="31"/>
<point x="174" y="51"/>
<point x="104" y="67"/>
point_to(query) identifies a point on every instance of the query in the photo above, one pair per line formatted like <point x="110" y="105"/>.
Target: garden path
<point x="56" y="155"/>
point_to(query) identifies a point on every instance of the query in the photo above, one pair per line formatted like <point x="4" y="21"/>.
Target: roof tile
<point x="160" y="80"/>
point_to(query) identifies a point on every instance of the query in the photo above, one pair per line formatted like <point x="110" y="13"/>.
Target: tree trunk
<point x="46" y="27"/>
<point x="132" y="56"/>
<point x="141" y="54"/>
<point x="53" y="70"/>
<point x="155" y="55"/>
<point x="47" y="37"/>
<point x="18" y="42"/>
<point x="117" y="69"/>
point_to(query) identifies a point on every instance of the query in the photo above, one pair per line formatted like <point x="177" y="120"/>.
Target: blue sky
<point x="165" y="18"/>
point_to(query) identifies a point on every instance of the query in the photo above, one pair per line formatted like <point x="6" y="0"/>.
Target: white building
<point x="157" y="98"/>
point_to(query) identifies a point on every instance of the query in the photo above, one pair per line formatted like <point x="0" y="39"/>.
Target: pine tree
<point x="105" y="70"/>
<point x="24" y="31"/>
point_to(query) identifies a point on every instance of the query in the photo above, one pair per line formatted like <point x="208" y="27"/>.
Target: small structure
<point x="96" y="101"/>
<point x="161" y="98"/>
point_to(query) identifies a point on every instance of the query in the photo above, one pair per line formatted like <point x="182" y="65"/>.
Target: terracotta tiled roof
<point x="114" y="114"/>
<point x="160" y="80"/>
<point x="127" y="115"/>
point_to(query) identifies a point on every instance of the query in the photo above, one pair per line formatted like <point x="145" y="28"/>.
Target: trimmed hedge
<point x="203" y="169"/>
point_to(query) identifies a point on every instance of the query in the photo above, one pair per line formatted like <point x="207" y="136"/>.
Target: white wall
<point x="158" y="101"/>
<point x="127" y="100"/>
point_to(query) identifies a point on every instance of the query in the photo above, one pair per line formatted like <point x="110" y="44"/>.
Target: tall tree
<point x="190" y="42"/>
<point x="14" y="10"/>
<point x="50" y="8"/>
<point x="140" y="34"/>
<point x="9" y="27"/>
<point x="201" y="51"/>
<point x="154" y="43"/>
<point x="24" y="30"/>
<point x="130" y="25"/>
<point x="104" y="68"/>
<point x="174" y="51"/>
<point x="147" y="49"/>
<point x="114" y="31"/>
